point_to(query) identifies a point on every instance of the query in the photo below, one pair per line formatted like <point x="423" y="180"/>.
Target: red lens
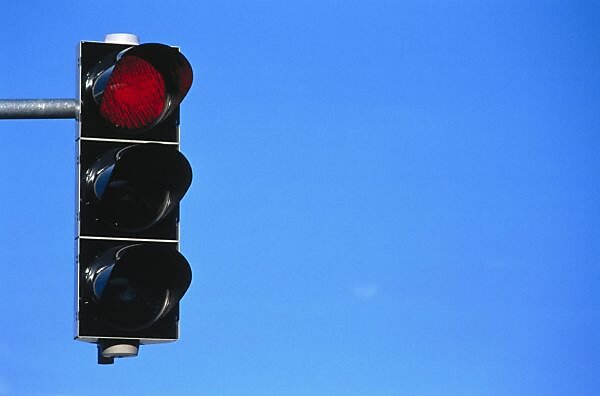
<point x="134" y="96"/>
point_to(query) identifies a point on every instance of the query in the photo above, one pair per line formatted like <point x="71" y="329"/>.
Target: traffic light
<point x="130" y="179"/>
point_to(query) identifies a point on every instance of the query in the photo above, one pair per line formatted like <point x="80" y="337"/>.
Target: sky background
<point x="389" y="198"/>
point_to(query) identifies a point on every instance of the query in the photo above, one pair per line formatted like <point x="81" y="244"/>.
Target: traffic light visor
<point x="136" y="186"/>
<point x="134" y="286"/>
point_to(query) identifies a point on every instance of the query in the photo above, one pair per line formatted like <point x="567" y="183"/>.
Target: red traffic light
<point x="134" y="96"/>
<point x="140" y="86"/>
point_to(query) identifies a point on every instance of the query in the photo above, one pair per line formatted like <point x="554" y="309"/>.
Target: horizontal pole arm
<point x="38" y="108"/>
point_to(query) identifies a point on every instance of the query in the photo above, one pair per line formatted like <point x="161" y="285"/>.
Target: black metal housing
<point x="130" y="275"/>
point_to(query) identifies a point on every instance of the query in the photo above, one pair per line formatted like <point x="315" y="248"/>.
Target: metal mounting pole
<point x="38" y="108"/>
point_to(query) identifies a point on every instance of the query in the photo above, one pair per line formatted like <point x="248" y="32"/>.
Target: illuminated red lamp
<point x="143" y="87"/>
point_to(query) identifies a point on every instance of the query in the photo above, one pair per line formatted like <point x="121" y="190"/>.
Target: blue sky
<point x="389" y="198"/>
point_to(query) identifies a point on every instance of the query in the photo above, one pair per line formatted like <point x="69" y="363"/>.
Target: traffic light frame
<point x="131" y="176"/>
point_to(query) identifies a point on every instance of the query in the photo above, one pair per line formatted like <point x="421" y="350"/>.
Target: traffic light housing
<point x="130" y="179"/>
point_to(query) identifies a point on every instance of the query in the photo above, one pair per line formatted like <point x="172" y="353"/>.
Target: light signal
<point x="131" y="177"/>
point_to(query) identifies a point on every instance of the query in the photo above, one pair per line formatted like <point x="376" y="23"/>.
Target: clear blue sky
<point x="389" y="198"/>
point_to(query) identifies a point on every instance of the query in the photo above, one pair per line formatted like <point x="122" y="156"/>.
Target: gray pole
<point x="38" y="108"/>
